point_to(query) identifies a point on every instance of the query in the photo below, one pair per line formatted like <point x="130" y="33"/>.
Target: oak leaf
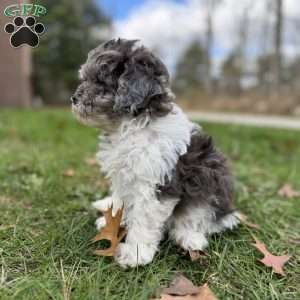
<point x="196" y="254"/>
<point x="287" y="191"/>
<point x="206" y="293"/>
<point x="112" y="232"/>
<point x="181" y="286"/>
<point x="183" y="289"/>
<point x="270" y="260"/>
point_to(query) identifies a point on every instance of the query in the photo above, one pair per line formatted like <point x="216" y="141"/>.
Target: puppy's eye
<point x="119" y="70"/>
<point x="144" y="63"/>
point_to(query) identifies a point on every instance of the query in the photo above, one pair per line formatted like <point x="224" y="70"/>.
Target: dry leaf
<point x="69" y="173"/>
<point x="287" y="191"/>
<point x="206" y="293"/>
<point x="91" y="161"/>
<point x="244" y="219"/>
<point x="183" y="289"/>
<point x="196" y="255"/>
<point x="111" y="232"/>
<point x="181" y="286"/>
<point x="270" y="260"/>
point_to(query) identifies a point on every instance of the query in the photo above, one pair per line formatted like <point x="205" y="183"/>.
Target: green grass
<point x="46" y="222"/>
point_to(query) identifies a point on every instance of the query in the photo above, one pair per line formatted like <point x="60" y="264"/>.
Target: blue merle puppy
<point x="164" y="171"/>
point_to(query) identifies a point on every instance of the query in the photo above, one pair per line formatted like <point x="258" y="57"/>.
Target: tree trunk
<point x="209" y="37"/>
<point x="278" y="28"/>
<point x="208" y="47"/>
<point x="242" y="43"/>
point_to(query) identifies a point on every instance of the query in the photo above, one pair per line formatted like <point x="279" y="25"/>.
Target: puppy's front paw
<point x="132" y="255"/>
<point x="103" y="205"/>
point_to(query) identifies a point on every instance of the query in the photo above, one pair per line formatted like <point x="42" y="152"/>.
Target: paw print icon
<point x="24" y="31"/>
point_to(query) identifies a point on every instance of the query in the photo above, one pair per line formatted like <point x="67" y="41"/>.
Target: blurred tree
<point x="71" y="31"/>
<point x="243" y="32"/>
<point x="292" y="77"/>
<point x="264" y="58"/>
<point x="234" y="66"/>
<point x="190" y="69"/>
<point x="266" y="28"/>
<point x="278" y="29"/>
<point x="209" y="37"/>
<point x="264" y="72"/>
<point x="232" y="74"/>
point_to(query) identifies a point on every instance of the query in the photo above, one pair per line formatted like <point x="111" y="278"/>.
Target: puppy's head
<point x="121" y="80"/>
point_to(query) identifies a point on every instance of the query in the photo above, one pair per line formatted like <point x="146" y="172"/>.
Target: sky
<point x="121" y="9"/>
<point x="169" y="26"/>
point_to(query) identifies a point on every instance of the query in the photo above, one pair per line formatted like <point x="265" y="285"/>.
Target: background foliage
<point x="71" y="27"/>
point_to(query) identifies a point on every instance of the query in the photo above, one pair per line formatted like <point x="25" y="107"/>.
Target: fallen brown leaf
<point x="111" y="232"/>
<point x="244" y="219"/>
<point x="196" y="255"/>
<point x="270" y="260"/>
<point x="183" y="289"/>
<point x="206" y="293"/>
<point x="91" y="161"/>
<point x="69" y="173"/>
<point x="181" y="286"/>
<point x="287" y="191"/>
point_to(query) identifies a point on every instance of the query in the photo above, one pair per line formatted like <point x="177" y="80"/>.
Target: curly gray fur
<point x="118" y="80"/>
<point x="164" y="171"/>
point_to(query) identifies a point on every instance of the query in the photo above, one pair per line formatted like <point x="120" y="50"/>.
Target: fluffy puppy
<point x="162" y="168"/>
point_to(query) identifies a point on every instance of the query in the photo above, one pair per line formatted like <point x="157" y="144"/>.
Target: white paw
<point x="132" y="255"/>
<point x="100" y="223"/>
<point x="231" y="221"/>
<point x="192" y="241"/>
<point x="103" y="205"/>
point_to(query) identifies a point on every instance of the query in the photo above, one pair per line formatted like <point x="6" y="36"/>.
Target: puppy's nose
<point x="74" y="100"/>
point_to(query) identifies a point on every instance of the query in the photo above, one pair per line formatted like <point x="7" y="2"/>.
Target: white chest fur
<point x="142" y="154"/>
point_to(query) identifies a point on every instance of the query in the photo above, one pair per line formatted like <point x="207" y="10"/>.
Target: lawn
<point x="46" y="222"/>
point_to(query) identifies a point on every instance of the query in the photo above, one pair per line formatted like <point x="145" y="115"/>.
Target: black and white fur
<point x="162" y="168"/>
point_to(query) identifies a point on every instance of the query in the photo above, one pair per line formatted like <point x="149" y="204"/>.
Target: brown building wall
<point x="15" y="67"/>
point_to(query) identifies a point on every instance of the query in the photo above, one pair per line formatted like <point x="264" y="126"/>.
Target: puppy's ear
<point x="141" y="84"/>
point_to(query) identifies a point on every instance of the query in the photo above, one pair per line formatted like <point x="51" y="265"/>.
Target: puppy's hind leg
<point x="191" y="227"/>
<point x="187" y="233"/>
